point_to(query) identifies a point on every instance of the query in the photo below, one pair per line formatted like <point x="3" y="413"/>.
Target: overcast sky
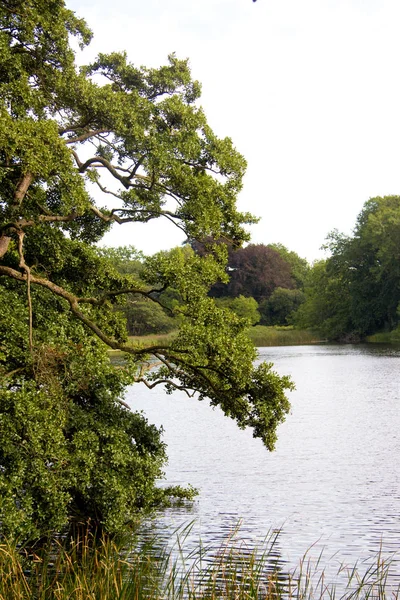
<point x="309" y="91"/>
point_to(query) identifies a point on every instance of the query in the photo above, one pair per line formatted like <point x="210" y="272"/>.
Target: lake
<point x="331" y="485"/>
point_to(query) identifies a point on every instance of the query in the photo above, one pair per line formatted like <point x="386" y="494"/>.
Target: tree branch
<point x="168" y="382"/>
<point x="108" y="218"/>
<point x="106" y="191"/>
<point x="105" y="163"/>
<point x="85" y="136"/>
<point x="74" y="305"/>
<point x="196" y="369"/>
<point x="12" y="373"/>
<point x="19" y="226"/>
<point x="138" y="164"/>
<point x="4" y="244"/>
<point x="100" y="301"/>
<point x="172" y="217"/>
<point x="74" y="127"/>
<point x="22" y="187"/>
<point x="124" y="404"/>
<point x="155" y="350"/>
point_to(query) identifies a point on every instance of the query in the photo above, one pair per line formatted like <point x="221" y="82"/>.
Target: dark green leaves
<point x="79" y="151"/>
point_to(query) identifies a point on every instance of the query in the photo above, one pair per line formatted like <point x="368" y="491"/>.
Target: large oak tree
<point x="81" y="150"/>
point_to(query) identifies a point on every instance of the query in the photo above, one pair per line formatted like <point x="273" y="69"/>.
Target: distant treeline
<point x="356" y="291"/>
<point x="265" y="286"/>
<point x="353" y="293"/>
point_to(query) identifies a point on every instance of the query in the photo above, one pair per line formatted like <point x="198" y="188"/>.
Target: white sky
<point x="309" y="91"/>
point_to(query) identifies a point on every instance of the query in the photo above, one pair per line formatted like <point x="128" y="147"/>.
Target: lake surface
<point x="332" y="483"/>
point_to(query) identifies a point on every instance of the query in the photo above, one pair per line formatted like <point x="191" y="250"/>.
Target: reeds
<point x="261" y="336"/>
<point x="385" y="337"/>
<point x="85" y="568"/>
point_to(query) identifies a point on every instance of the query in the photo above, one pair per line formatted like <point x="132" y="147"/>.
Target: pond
<point x="331" y="485"/>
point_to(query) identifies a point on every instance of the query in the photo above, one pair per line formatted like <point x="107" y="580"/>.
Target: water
<point x="332" y="483"/>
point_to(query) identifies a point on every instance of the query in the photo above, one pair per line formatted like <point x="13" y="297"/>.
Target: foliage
<point x="255" y="271"/>
<point x="385" y="337"/>
<point x="69" y="446"/>
<point x="356" y="292"/>
<point x="245" y="308"/>
<point x="125" y="259"/>
<point x="280" y="306"/>
<point x="143" y="316"/>
<point x="369" y="261"/>
<point x="327" y="304"/>
<point x="299" y="266"/>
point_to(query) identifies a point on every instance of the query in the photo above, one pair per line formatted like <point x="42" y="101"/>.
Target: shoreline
<point x="269" y="336"/>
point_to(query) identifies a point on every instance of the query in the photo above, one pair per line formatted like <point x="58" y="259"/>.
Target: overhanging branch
<point x="74" y="306"/>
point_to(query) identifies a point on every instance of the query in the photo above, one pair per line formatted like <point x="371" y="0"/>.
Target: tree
<point x="125" y="259"/>
<point x="245" y="308"/>
<point x="299" y="267"/>
<point x="356" y="291"/>
<point x="327" y="304"/>
<point x="369" y="261"/>
<point x="255" y="271"/>
<point x="142" y="315"/>
<point x="278" y="309"/>
<point x="70" y="141"/>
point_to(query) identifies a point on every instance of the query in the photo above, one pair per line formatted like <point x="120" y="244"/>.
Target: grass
<point x="282" y="336"/>
<point x="85" y="569"/>
<point x="260" y="336"/>
<point x="145" y="340"/>
<point x="388" y="337"/>
<point x="156" y="338"/>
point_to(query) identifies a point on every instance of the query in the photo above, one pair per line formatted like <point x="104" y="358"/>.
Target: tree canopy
<point x="279" y="308"/>
<point x="143" y="316"/>
<point x="299" y="267"/>
<point x="254" y="271"/>
<point x="356" y="291"/>
<point x="80" y="150"/>
<point x="244" y="307"/>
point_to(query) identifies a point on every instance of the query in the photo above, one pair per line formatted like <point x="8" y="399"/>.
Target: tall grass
<point x="153" y="338"/>
<point x="156" y="339"/>
<point x="385" y="337"/>
<point x="261" y="335"/>
<point x="103" y="569"/>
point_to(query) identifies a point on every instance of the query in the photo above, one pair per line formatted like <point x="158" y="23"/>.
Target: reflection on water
<point x="332" y="484"/>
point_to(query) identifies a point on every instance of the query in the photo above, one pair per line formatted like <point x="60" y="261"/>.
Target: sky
<point x="308" y="90"/>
